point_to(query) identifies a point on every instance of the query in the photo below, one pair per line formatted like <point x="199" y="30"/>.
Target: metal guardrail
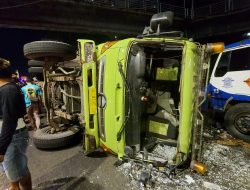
<point x="220" y="8"/>
<point x="154" y="6"/>
<point x="240" y="4"/>
<point x="178" y="11"/>
<point x="141" y="6"/>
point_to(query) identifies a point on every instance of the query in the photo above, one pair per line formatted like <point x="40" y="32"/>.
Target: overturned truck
<point x="128" y="95"/>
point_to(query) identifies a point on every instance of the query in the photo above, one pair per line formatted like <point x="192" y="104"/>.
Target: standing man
<point x="40" y="85"/>
<point x="32" y="96"/>
<point x="13" y="138"/>
<point x="15" y="78"/>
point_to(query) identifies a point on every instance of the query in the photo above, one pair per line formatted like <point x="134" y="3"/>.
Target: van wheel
<point x="237" y="121"/>
<point x="39" y="50"/>
<point x="44" y="140"/>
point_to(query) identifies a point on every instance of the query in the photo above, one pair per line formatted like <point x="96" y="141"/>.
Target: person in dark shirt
<point x="15" y="79"/>
<point x="13" y="137"/>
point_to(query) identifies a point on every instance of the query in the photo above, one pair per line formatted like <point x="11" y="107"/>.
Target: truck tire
<point x="237" y="121"/>
<point x="35" y="70"/>
<point x="39" y="50"/>
<point x="34" y="63"/>
<point x="44" y="140"/>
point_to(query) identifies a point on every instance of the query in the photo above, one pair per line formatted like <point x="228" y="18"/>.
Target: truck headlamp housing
<point x="88" y="49"/>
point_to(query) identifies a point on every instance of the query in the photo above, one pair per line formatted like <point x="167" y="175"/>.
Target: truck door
<point x="87" y="51"/>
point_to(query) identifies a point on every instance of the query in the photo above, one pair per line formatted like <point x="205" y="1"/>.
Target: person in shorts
<point x="13" y="133"/>
<point x="40" y="85"/>
<point x="32" y="96"/>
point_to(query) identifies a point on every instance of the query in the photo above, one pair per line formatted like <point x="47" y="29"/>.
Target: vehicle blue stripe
<point x="219" y="97"/>
<point x="236" y="44"/>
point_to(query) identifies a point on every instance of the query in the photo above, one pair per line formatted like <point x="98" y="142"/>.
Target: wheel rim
<point x="242" y="123"/>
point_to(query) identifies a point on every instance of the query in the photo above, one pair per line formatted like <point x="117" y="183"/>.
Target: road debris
<point x="228" y="168"/>
<point x="211" y="186"/>
<point x="233" y="142"/>
<point x="189" y="179"/>
<point x="166" y="152"/>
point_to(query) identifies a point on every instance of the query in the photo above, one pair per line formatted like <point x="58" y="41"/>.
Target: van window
<point x="240" y="60"/>
<point x="223" y="64"/>
<point x="236" y="60"/>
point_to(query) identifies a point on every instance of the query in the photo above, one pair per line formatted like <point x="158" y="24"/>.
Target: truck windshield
<point x="235" y="60"/>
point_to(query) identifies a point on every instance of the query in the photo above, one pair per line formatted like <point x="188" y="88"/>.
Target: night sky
<point x="12" y="41"/>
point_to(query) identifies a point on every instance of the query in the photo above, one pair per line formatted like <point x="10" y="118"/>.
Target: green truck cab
<point x="141" y="92"/>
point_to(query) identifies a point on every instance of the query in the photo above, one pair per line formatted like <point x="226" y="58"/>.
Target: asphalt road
<point x="69" y="169"/>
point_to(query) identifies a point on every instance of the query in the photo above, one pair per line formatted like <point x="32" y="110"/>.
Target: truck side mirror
<point x="161" y="20"/>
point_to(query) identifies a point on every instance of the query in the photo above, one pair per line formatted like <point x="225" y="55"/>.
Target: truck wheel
<point x="44" y="140"/>
<point x="34" y="63"/>
<point x="35" y="70"/>
<point x="237" y="121"/>
<point x="39" y="50"/>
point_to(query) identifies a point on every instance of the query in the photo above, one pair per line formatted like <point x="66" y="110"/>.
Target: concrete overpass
<point x="226" y="25"/>
<point x="123" y="17"/>
<point x="76" y="16"/>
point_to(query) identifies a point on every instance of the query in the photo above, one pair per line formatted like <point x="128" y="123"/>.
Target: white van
<point x="229" y="88"/>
